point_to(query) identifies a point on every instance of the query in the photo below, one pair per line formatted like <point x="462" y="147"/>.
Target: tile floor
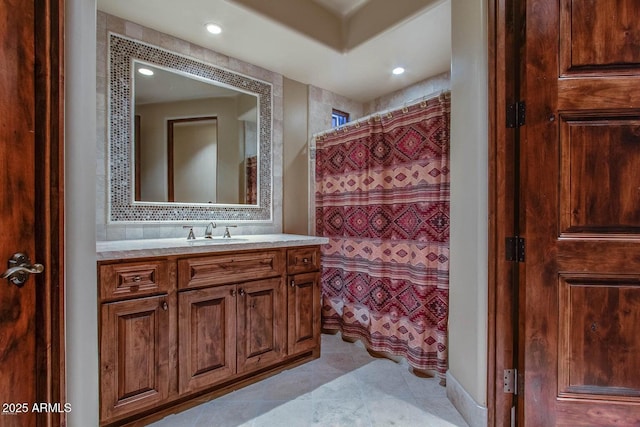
<point x="346" y="387"/>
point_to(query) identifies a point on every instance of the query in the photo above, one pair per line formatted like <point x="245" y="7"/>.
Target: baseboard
<point x="475" y="415"/>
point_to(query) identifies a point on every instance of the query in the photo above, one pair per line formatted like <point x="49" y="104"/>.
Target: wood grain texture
<point x="599" y="34"/>
<point x="594" y="93"/>
<point x="302" y="260"/>
<point x="134" y="356"/>
<point x="599" y="343"/>
<point x="207" y="337"/>
<point x="505" y="68"/>
<point x="222" y="332"/>
<point x="17" y="204"/>
<point x="303" y="294"/>
<point x="133" y="279"/>
<point x="581" y="231"/>
<point x="262" y="323"/>
<point x="49" y="227"/>
<point x="600" y="161"/>
<point x="229" y="268"/>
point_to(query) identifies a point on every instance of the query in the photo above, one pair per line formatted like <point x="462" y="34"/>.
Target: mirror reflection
<point x="195" y="141"/>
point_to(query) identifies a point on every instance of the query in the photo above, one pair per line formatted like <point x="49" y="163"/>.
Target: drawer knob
<point x="137" y="279"/>
<point x="305" y="260"/>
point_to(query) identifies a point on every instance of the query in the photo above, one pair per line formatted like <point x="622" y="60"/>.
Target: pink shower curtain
<point x="382" y="199"/>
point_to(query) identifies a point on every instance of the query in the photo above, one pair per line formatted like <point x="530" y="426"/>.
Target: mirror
<point x="195" y="141"/>
<point x="191" y="143"/>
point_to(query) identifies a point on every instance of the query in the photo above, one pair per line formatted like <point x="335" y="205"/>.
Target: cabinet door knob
<point x="293" y="283"/>
<point x="165" y="306"/>
<point x="233" y="293"/>
<point x="241" y="292"/>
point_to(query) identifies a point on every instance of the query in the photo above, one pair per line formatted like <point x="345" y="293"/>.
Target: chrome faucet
<point x="191" y="236"/>
<point x="208" y="233"/>
<point x="226" y="234"/>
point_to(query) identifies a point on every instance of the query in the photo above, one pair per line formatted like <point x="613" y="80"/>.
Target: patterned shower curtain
<point x="382" y="199"/>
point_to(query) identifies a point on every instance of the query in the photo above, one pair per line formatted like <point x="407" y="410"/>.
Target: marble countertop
<point x="122" y="249"/>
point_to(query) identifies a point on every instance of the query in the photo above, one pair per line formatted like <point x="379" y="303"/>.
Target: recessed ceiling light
<point x="145" y="71"/>
<point x="213" y="28"/>
<point x="398" y="70"/>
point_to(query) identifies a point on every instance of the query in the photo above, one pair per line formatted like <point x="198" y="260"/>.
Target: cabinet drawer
<point x="302" y="260"/>
<point x="125" y="280"/>
<point x="231" y="268"/>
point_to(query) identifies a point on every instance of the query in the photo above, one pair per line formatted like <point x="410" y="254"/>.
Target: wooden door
<point x="303" y="307"/>
<point x="31" y="326"/>
<point x="262" y="323"/>
<point x="581" y="195"/>
<point x="206" y="337"/>
<point x="134" y="355"/>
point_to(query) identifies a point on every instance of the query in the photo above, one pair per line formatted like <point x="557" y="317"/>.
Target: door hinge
<point x="516" y="113"/>
<point x="514" y="248"/>
<point x="511" y="381"/>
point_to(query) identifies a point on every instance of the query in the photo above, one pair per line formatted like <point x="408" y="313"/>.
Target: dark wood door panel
<point x="600" y="172"/>
<point x="580" y="155"/>
<point x="588" y="414"/>
<point x="595" y="255"/>
<point x="206" y="347"/>
<point x="262" y="321"/>
<point x="599" y="343"/>
<point x="598" y="94"/>
<point x="599" y="35"/>
<point x="304" y="312"/>
<point x="17" y="214"/>
<point x="134" y="350"/>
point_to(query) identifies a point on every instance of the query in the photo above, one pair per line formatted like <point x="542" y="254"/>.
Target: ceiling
<point x="346" y="46"/>
<point x="342" y="8"/>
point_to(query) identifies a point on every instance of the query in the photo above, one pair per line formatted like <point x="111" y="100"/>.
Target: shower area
<point x="382" y="200"/>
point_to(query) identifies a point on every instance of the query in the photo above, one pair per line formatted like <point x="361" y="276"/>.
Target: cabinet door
<point x="262" y="317"/>
<point x="304" y="312"/>
<point x="206" y="337"/>
<point x="134" y="355"/>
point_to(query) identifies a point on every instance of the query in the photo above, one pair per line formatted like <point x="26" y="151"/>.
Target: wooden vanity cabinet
<point x="303" y="299"/>
<point x="228" y="330"/>
<point x="229" y="325"/>
<point x="182" y="326"/>
<point x="135" y="337"/>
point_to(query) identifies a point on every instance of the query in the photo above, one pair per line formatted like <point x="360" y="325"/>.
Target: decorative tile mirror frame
<point x="123" y="208"/>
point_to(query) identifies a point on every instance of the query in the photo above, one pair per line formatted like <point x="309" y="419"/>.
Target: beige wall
<point x="295" y="192"/>
<point x="81" y="314"/>
<point x="429" y="86"/>
<point x="322" y="101"/>
<point x="469" y="199"/>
